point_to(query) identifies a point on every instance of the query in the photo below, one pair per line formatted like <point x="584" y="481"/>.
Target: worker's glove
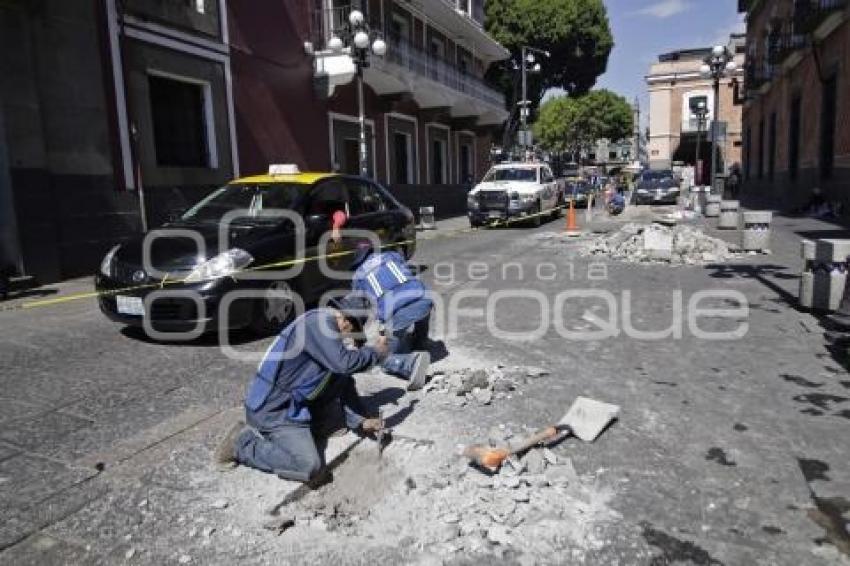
<point x="372" y="426"/>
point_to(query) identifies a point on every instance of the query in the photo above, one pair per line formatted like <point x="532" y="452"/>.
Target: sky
<point x="644" y="29"/>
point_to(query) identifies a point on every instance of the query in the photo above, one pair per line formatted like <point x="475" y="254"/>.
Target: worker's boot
<point x="412" y="367"/>
<point x="225" y="453"/>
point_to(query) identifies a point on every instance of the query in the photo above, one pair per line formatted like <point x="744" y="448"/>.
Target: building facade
<point x="116" y="114"/>
<point x="675" y="86"/>
<point x="797" y="113"/>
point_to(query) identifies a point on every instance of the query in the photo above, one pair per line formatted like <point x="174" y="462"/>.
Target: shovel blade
<point x="587" y="418"/>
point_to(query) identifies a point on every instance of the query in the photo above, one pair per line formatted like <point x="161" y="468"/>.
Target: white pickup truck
<point x="511" y="190"/>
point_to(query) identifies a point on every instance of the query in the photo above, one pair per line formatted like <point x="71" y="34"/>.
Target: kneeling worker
<point x="403" y="308"/>
<point x="303" y="387"/>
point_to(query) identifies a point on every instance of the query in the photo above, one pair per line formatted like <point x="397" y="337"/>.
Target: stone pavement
<point x="726" y="452"/>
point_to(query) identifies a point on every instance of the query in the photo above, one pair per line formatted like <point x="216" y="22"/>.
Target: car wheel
<point x="273" y="311"/>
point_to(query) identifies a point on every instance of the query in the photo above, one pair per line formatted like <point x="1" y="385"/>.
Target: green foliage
<point x="571" y="124"/>
<point x="575" y="32"/>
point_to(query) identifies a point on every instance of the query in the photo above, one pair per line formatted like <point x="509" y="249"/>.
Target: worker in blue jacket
<point x="403" y="308"/>
<point x="302" y="389"/>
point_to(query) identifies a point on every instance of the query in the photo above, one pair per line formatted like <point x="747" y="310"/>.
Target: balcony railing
<point x="759" y="74"/>
<point x="809" y="14"/>
<point x="783" y="42"/>
<point x="405" y="54"/>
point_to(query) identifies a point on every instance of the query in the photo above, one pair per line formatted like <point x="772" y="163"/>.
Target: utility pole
<point x="527" y="58"/>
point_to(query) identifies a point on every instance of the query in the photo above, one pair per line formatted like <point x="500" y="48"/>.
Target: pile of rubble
<point x="536" y="504"/>
<point x="638" y="243"/>
<point x="482" y="386"/>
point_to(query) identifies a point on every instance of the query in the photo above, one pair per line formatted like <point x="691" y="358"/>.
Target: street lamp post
<point x="528" y="63"/>
<point x="716" y="66"/>
<point x="701" y="111"/>
<point x="362" y="42"/>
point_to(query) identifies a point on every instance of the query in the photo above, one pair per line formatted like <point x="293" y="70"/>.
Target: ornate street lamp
<point x="700" y="110"/>
<point x="716" y="66"/>
<point x="362" y="42"/>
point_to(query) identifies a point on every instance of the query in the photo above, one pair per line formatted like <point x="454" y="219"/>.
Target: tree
<point x="575" y="32"/>
<point x="574" y="124"/>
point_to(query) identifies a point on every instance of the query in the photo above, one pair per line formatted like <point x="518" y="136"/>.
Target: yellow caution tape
<point x="286" y="263"/>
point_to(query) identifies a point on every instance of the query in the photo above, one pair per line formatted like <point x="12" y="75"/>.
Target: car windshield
<point x="259" y="201"/>
<point x="657" y="175"/>
<point x="512" y="174"/>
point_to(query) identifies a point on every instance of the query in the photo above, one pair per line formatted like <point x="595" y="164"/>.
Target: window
<point x="546" y="175"/>
<point x="771" y="158"/>
<point x="399" y="28"/>
<point x="402" y="158"/>
<point x="794" y="138"/>
<point x="350" y="157"/>
<point x="525" y="174"/>
<point x="329" y="197"/>
<point x="439" y="162"/>
<point x="748" y="146"/>
<point x="180" y="128"/>
<point x="466" y="175"/>
<point x="612" y="155"/>
<point x="363" y="198"/>
<point x="828" y="115"/>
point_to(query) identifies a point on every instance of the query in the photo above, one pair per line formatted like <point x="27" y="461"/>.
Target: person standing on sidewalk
<point x="302" y="393"/>
<point x="403" y="308"/>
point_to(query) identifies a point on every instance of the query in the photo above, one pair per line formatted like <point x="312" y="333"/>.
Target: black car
<point x="657" y="187"/>
<point x="247" y="232"/>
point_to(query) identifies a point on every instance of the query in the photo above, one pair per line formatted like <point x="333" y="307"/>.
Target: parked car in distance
<point x="258" y="241"/>
<point x="579" y="192"/>
<point x="657" y="187"/>
<point x="513" y="190"/>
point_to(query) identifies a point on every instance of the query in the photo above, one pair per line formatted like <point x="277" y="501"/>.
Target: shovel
<point x="585" y="419"/>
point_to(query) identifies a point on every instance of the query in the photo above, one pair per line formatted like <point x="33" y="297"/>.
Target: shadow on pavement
<point x="762" y="274"/>
<point x="208" y="340"/>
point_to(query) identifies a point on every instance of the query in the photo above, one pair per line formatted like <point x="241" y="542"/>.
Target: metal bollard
<point x="807" y="276"/>
<point x="712" y="206"/>
<point x="729" y="215"/>
<point x="427" y="221"/>
<point x="756" y="233"/>
<point x="829" y="273"/>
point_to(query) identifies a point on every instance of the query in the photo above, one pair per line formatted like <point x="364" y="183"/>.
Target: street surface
<point x="726" y="452"/>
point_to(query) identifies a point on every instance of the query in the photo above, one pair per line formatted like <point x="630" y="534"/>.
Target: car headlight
<point x="106" y="264"/>
<point x="222" y="265"/>
<point x="642" y="191"/>
<point x="527" y="198"/>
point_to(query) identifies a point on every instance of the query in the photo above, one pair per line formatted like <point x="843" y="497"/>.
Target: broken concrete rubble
<point x="648" y="243"/>
<point x="482" y="386"/>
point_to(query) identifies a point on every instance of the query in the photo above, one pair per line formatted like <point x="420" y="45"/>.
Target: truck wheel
<point x="537" y="219"/>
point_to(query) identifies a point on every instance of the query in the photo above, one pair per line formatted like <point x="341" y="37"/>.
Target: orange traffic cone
<point x="572" y="225"/>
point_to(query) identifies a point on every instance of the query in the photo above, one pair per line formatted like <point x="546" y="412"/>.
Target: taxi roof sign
<point x="283" y="169"/>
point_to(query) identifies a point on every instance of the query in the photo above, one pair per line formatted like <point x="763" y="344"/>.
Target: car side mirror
<point x="176" y="213"/>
